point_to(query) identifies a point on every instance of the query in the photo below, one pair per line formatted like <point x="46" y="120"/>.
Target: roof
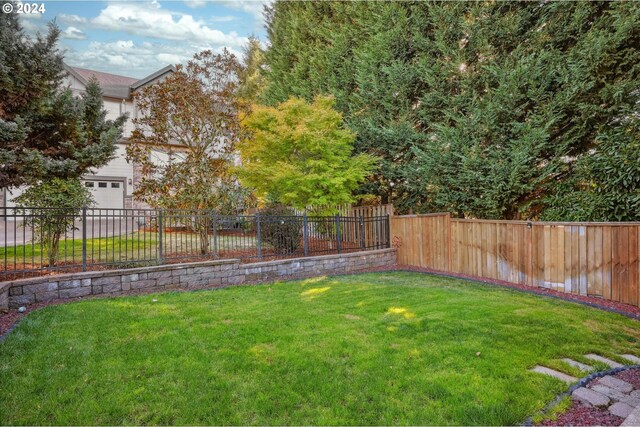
<point x="114" y="85"/>
<point x="151" y="77"/>
<point x="105" y="79"/>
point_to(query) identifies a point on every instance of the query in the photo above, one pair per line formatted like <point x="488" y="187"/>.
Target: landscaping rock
<point x="609" y="362"/>
<point x="610" y="392"/>
<point x="576" y="364"/>
<point x="633" y="419"/>
<point x="615" y="383"/>
<point x="555" y="374"/>
<point x="631" y="401"/>
<point x="621" y="409"/>
<point x="635" y="394"/>
<point x="631" y="358"/>
<point x="590" y="397"/>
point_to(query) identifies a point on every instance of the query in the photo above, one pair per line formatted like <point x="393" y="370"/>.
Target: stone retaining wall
<point x="199" y="275"/>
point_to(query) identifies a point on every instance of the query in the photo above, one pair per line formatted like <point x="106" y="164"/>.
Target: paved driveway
<point x="15" y="233"/>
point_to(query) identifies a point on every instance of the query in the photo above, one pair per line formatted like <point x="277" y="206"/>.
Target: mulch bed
<point x="632" y="376"/>
<point x="579" y="414"/>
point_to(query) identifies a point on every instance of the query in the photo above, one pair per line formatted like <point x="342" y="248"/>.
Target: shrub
<point x="54" y="205"/>
<point x="280" y="228"/>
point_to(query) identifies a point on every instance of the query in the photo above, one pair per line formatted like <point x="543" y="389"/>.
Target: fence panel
<point x="422" y="240"/>
<point x="97" y="239"/>
<point x="594" y="259"/>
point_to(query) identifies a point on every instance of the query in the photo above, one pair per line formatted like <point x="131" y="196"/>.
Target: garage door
<point x="11" y="195"/>
<point x="107" y="194"/>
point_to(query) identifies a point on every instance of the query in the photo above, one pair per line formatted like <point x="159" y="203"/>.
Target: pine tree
<point x="495" y="110"/>
<point x="252" y="79"/>
<point x="45" y="132"/>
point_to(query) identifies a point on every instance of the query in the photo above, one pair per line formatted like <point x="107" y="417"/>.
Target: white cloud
<point x="170" y="58"/>
<point x="150" y="20"/>
<point x="128" y="58"/>
<point x="32" y="23"/>
<point x="252" y="7"/>
<point x="72" y="19"/>
<point x="228" y="18"/>
<point x="73" y="33"/>
<point x="195" y="3"/>
<point x="173" y="37"/>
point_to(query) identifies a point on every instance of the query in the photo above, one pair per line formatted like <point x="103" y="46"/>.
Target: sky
<point x="137" y="38"/>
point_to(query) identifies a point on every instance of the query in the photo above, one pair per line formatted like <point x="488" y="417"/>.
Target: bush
<point x="280" y="228"/>
<point x="63" y="199"/>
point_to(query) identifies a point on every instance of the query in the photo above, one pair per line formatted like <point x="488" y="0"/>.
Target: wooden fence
<point x="595" y="259"/>
<point x="374" y="231"/>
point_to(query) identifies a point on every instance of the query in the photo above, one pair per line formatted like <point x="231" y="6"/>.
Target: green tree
<point x="252" y="74"/>
<point x="45" y="131"/>
<point x="51" y="208"/>
<point x="279" y="229"/>
<point x="605" y="185"/>
<point x="490" y="109"/>
<point x="299" y="154"/>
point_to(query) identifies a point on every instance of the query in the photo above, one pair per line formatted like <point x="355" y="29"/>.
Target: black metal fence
<point x="41" y="241"/>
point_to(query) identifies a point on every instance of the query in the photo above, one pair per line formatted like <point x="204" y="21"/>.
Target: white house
<point x="113" y="184"/>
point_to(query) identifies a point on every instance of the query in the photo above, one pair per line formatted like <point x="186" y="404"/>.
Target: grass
<point x="127" y="247"/>
<point x="379" y="348"/>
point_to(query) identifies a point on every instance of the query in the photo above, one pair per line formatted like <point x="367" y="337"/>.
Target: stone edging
<point x="581" y="383"/>
<point x="197" y="275"/>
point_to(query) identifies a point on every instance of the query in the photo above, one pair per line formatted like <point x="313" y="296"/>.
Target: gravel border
<point x="582" y="383"/>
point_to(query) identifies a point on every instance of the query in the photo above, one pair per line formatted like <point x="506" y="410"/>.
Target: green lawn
<point x="127" y="247"/>
<point x="380" y="348"/>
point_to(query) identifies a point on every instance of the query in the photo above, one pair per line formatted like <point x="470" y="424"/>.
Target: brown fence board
<point x="596" y="259"/>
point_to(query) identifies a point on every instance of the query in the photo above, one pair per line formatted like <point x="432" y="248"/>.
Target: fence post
<point x="259" y="240"/>
<point x="361" y="220"/>
<point x="84" y="238"/>
<point x="160" y="244"/>
<point x="338" y="230"/>
<point x="449" y="240"/>
<point x="388" y="243"/>
<point x="305" y="234"/>
<point x="215" y="236"/>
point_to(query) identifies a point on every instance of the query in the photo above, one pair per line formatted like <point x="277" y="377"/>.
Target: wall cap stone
<point x="195" y="275"/>
<point x="117" y="272"/>
<point x="317" y="258"/>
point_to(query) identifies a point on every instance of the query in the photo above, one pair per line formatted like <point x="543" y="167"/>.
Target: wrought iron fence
<point x="41" y="241"/>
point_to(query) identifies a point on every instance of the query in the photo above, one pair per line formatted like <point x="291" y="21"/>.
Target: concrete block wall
<point x="198" y="275"/>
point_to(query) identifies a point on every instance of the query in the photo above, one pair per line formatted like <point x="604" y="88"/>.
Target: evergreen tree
<point x="45" y="132"/>
<point x="252" y="80"/>
<point x="496" y="110"/>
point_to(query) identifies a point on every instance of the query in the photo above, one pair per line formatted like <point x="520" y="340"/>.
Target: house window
<point x="115" y="185"/>
<point x="102" y="184"/>
<point x="88" y="184"/>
